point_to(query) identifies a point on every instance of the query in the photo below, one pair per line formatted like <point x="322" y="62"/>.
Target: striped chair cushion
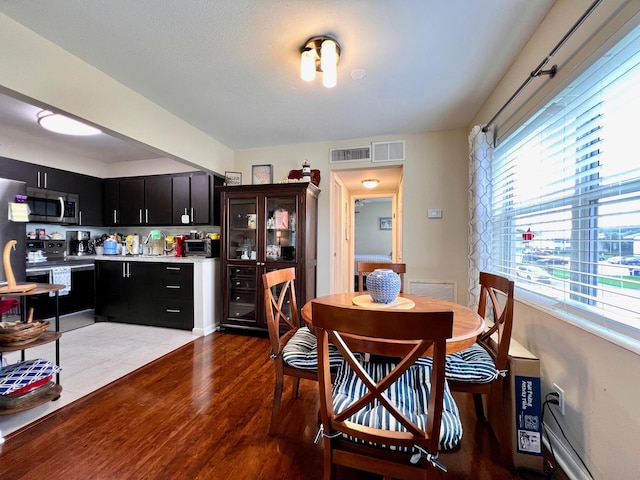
<point x="472" y="365"/>
<point x="410" y="393"/>
<point x="301" y="351"/>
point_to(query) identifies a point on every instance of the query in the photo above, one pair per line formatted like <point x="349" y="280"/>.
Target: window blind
<point x="566" y="195"/>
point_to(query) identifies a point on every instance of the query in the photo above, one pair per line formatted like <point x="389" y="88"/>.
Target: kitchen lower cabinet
<point x="145" y="293"/>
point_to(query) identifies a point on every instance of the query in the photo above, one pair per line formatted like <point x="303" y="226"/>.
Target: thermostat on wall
<point x="434" y="213"/>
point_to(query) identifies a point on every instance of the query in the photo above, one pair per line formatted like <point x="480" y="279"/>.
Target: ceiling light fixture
<point x="58" y="123"/>
<point x="370" y="183"/>
<point x="320" y="54"/>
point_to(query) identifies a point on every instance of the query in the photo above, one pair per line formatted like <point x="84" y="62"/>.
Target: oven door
<point x="52" y="207"/>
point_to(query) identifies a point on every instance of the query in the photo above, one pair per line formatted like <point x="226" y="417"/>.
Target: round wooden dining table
<point x="467" y="324"/>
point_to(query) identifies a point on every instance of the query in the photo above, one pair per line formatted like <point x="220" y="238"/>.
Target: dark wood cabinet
<point x="264" y="228"/>
<point x="88" y="188"/>
<point x="145" y="293"/>
<point x="135" y="201"/>
<point x="192" y="199"/>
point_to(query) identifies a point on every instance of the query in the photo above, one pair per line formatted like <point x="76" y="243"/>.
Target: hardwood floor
<point x="202" y="412"/>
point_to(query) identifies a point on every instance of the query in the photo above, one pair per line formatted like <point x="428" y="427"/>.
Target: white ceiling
<point x="231" y="67"/>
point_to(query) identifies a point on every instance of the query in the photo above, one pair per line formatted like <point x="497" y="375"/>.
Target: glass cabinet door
<point x="243" y="222"/>
<point x="281" y="224"/>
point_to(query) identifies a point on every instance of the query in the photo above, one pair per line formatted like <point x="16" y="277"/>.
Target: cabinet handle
<point x="146" y="215"/>
<point x="115" y="216"/>
<point x="237" y="298"/>
<point x="174" y="286"/>
<point x="185" y="211"/>
<point x="171" y="310"/>
<point x="192" y="218"/>
<point x="173" y="268"/>
<point x="80" y="217"/>
<point x="140" y="215"/>
<point x="38" y="181"/>
<point x="124" y="270"/>
<point x="45" y="179"/>
<point x="237" y="284"/>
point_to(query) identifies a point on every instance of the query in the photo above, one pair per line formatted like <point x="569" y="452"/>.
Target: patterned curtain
<point x="480" y="156"/>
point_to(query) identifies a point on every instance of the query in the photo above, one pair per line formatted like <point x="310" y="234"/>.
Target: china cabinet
<point x="264" y="228"/>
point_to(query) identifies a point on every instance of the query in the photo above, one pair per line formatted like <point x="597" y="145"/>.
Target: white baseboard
<point x="565" y="457"/>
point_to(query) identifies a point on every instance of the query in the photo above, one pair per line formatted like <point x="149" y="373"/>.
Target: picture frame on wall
<point x="384" y="223"/>
<point x="261" y="174"/>
<point x="233" y="178"/>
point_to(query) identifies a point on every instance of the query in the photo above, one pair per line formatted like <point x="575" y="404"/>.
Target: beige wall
<point x="598" y="376"/>
<point x="435" y="175"/>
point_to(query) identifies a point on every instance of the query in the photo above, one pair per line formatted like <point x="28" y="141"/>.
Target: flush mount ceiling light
<point x="56" y="122"/>
<point x="370" y="183"/>
<point x="320" y="54"/>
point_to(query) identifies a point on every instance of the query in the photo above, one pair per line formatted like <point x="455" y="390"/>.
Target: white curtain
<point x="480" y="156"/>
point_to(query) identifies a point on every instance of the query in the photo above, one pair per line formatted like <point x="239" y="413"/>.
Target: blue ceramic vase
<point x="383" y="285"/>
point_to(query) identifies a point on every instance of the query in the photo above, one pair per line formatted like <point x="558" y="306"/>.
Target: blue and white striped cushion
<point x="301" y="351"/>
<point x="472" y="365"/>
<point x="410" y="393"/>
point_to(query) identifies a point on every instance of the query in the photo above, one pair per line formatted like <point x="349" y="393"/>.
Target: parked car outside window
<point x="535" y="274"/>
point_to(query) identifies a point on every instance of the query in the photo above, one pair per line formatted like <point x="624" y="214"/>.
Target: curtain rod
<point x="539" y="69"/>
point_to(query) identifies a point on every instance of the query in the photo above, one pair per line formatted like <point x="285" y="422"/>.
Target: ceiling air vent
<point x="388" y="151"/>
<point x="353" y="154"/>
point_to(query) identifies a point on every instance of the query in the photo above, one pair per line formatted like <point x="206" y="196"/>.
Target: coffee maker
<point x="79" y="242"/>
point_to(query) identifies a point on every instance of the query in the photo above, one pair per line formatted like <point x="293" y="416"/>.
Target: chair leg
<point x="275" y="408"/>
<point x="296" y="386"/>
<point x="477" y="402"/>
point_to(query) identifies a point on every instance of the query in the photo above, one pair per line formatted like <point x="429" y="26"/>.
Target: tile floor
<point x="93" y="356"/>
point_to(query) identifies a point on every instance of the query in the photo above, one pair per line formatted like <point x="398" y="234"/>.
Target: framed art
<point x="261" y="174"/>
<point x="233" y="178"/>
<point x="384" y="223"/>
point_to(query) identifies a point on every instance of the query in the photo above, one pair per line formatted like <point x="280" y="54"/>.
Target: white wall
<point x="599" y="377"/>
<point x="49" y="76"/>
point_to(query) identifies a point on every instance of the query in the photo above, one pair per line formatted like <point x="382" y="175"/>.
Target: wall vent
<point x="441" y="290"/>
<point x="353" y="154"/>
<point x="388" y="151"/>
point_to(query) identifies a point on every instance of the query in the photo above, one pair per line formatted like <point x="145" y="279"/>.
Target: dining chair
<point x="482" y="368"/>
<point x="368" y="267"/>
<point x="389" y="416"/>
<point x="293" y="347"/>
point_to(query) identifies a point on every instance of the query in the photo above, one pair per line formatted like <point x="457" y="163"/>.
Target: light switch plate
<point x="434" y="213"/>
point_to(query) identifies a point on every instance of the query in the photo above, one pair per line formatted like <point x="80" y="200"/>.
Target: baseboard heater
<point x="441" y="290"/>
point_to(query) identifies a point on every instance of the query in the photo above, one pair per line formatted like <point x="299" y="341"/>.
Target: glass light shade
<point x="308" y="65"/>
<point x="58" y="123"/>
<point x="328" y="55"/>
<point x="370" y="183"/>
<point x="330" y="77"/>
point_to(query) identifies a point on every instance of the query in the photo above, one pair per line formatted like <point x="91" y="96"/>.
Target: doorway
<point x="364" y="221"/>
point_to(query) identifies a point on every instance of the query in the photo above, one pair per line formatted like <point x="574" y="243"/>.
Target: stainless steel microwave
<point x="203" y="247"/>
<point x="47" y="206"/>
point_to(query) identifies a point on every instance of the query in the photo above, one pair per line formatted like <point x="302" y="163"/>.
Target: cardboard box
<point x="523" y="406"/>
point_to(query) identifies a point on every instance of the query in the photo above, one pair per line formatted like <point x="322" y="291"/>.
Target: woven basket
<point x="22" y="334"/>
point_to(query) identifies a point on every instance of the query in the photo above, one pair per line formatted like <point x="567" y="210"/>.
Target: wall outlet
<point x="560" y="393"/>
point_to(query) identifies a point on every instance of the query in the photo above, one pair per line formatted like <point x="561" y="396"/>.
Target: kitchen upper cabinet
<point x="192" y="199"/>
<point x="135" y="201"/>
<point x="88" y="188"/>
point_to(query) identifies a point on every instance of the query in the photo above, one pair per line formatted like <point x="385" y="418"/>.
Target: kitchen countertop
<point x="88" y="261"/>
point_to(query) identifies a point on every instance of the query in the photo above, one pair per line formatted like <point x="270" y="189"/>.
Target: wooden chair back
<point x="496" y="301"/>
<point x="368" y="267"/>
<point x="429" y="331"/>
<point x="281" y="307"/>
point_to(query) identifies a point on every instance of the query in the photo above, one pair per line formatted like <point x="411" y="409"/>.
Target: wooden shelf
<point x="47" y="337"/>
<point x="52" y="394"/>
